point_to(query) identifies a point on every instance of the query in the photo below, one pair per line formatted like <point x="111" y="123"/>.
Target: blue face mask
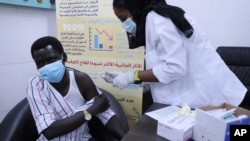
<point x="52" y="72"/>
<point x="129" y="25"/>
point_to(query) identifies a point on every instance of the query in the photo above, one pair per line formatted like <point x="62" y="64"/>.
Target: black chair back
<point x="238" y="60"/>
<point x="18" y="124"/>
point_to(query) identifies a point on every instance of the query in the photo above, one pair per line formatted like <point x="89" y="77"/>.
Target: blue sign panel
<point x="48" y="4"/>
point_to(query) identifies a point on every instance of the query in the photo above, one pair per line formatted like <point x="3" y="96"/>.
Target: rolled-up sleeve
<point x="104" y="116"/>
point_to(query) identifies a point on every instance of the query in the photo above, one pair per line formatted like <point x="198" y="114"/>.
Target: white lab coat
<point x="189" y="70"/>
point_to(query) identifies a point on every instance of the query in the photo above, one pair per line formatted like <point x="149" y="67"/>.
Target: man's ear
<point x="65" y="57"/>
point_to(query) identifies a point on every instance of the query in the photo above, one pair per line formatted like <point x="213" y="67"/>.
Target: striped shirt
<point x="48" y="105"/>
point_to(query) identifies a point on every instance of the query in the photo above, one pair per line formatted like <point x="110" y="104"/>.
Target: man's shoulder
<point x="82" y="78"/>
<point x="78" y="74"/>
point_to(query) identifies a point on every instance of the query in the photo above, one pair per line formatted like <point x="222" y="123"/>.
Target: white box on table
<point x="210" y="128"/>
<point x="172" y="124"/>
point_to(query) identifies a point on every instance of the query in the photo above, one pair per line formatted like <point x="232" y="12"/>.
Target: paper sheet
<point x="162" y="113"/>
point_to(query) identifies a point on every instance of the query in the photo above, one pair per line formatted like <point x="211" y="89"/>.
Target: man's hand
<point x="109" y="76"/>
<point x="100" y="105"/>
<point x="123" y="80"/>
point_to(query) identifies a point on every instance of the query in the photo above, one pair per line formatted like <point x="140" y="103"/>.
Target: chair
<point x="147" y="99"/>
<point x="238" y="60"/>
<point x="19" y="125"/>
<point x="98" y="130"/>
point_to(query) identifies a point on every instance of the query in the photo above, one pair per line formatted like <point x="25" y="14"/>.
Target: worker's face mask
<point x="52" y="72"/>
<point x="129" y="25"/>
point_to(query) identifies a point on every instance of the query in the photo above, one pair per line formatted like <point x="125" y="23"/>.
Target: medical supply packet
<point x="174" y="123"/>
<point x="212" y="123"/>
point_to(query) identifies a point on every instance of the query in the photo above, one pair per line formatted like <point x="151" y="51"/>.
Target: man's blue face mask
<point x="52" y="72"/>
<point x="129" y="25"/>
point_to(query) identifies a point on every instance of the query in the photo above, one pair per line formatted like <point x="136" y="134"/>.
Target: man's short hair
<point x="46" y="41"/>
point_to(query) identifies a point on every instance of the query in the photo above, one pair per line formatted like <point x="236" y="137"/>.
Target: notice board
<point x="94" y="41"/>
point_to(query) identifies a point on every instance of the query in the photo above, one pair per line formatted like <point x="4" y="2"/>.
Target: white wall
<point x="226" y="22"/>
<point x="20" y="27"/>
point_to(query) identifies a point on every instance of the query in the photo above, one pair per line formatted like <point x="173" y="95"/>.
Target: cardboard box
<point x="210" y="128"/>
<point x="172" y="124"/>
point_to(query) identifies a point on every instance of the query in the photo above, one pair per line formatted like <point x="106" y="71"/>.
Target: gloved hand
<point x="122" y="80"/>
<point x="109" y="76"/>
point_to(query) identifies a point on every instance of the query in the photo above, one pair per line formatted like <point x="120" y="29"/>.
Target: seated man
<point x="63" y="100"/>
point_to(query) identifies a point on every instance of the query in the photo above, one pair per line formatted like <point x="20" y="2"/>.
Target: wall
<point x="19" y="27"/>
<point x="226" y="22"/>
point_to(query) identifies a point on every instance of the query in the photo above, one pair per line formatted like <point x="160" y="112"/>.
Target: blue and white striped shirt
<point x="48" y="105"/>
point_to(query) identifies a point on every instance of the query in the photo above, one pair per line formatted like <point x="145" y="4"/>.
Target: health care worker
<point x="182" y="67"/>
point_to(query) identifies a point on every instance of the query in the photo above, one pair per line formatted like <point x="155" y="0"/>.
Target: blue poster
<point x="48" y="4"/>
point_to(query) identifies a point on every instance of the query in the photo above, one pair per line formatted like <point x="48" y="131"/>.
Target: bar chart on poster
<point x="95" y="42"/>
<point x="47" y="4"/>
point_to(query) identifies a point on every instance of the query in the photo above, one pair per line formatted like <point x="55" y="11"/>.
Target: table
<point x="145" y="128"/>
